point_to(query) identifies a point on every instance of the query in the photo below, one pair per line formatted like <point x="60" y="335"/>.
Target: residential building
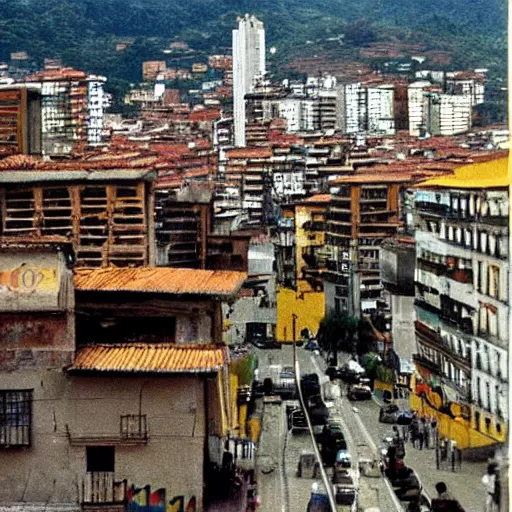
<point x="248" y="64"/>
<point x="397" y="261"/>
<point x="464" y="83"/>
<point x="416" y="106"/>
<point x="462" y="297"/>
<point x="71" y="110"/>
<point x="364" y="211"/>
<point x="445" y="114"/>
<point x="183" y="221"/>
<point x="20" y="121"/>
<point x="106" y="212"/>
<point x="130" y="404"/>
<point x="301" y="292"/>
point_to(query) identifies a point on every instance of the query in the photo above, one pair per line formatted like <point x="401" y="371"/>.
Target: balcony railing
<point x="100" y="487"/>
<point x="134" y="426"/>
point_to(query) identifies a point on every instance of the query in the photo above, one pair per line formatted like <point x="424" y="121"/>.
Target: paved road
<point x="279" y="487"/>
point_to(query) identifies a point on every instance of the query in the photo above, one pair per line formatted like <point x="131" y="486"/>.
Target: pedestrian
<point x="427" y="431"/>
<point x="489" y="480"/>
<point x="405" y="433"/>
<point x="433" y="426"/>
<point x="445" y="501"/>
<point x="421" y="433"/>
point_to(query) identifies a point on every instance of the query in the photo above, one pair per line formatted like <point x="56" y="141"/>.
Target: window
<point x="15" y="417"/>
<point x="493" y="278"/>
<point x="100" y="459"/>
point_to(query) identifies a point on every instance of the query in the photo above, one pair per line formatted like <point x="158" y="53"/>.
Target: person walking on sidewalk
<point x="427" y="431"/>
<point x="421" y="433"/>
<point x="490" y="483"/>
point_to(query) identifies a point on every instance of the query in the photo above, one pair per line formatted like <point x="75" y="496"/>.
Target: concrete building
<point x="302" y="292"/>
<point x="462" y="309"/>
<point x="397" y="266"/>
<point x="416" y="106"/>
<point x="380" y="118"/>
<point x="364" y="211"/>
<point x="445" y="114"/>
<point x="121" y="395"/>
<point x="106" y="213"/>
<point x="248" y="64"/>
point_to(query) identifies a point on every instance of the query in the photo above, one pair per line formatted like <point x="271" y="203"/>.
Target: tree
<point x="337" y="332"/>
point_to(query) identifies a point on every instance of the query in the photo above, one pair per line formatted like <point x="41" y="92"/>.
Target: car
<point x="317" y="410"/>
<point x="266" y="343"/>
<point x="391" y="413"/>
<point x="359" y="392"/>
<point x="309" y="385"/>
<point x="311" y="345"/>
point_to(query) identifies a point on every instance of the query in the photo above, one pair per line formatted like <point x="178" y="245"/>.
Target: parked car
<point x="265" y="343"/>
<point x="309" y="385"/>
<point x="296" y="420"/>
<point x="285" y="384"/>
<point x="359" y="392"/>
<point x="317" y="410"/>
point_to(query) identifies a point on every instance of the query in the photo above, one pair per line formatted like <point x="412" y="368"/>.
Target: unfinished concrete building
<point x="183" y="221"/>
<point x="106" y="214"/>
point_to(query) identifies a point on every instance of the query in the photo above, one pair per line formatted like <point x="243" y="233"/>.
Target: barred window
<point x="15" y="417"/>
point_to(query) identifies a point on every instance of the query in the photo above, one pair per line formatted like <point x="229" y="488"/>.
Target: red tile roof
<point x="159" y="358"/>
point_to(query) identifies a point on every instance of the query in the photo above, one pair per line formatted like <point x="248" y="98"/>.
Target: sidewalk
<point x="466" y="484"/>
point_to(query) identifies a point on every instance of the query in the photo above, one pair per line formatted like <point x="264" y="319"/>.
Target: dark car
<point x="309" y="385"/>
<point x="359" y="392"/>
<point x="265" y="343"/>
<point x="392" y="414"/>
<point x="332" y="441"/>
<point x="318" y="412"/>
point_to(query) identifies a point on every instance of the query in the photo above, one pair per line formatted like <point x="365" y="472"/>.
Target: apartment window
<point x="100" y="459"/>
<point x="488" y="395"/>
<point x="15" y="417"/>
<point x="479" y="276"/>
<point x="493" y="281"/>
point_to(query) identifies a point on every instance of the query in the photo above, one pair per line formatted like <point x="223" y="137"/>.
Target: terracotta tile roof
<point x="318" y="198"/>
<point x="150" y="358"/>
<point x="175" y="281"/>
<point x="249" y="152"/>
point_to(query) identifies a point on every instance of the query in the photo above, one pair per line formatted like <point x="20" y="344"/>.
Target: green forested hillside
<point x="84" y="32"/>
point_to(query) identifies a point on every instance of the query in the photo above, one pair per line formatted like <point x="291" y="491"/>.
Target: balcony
<point x="133" y="430"/>
<point x="101" y="488"/>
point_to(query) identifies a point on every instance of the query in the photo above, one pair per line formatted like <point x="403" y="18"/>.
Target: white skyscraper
<point x="248" y="63"/>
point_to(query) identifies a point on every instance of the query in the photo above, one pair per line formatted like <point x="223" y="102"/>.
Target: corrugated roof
<point x="150" y="358"/>
<point x="174" y="281"/>
<point x="489" y="174"/>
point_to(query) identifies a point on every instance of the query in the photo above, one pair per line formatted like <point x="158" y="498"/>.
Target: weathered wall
<point x="66" y="409"/>
<point x="37" y="327"/>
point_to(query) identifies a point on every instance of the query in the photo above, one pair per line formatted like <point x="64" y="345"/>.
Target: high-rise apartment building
<point x="248" y="63"/>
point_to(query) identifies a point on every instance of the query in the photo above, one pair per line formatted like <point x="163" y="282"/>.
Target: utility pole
<point x="294" y="340"/>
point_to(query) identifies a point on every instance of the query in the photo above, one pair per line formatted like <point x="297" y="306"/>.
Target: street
<point x="278" y="455"/>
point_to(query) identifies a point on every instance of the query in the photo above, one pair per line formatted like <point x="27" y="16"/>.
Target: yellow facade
<point x="307" y="301"/>
<point x="309" y="307"/>
<point x="462" y="431"/>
